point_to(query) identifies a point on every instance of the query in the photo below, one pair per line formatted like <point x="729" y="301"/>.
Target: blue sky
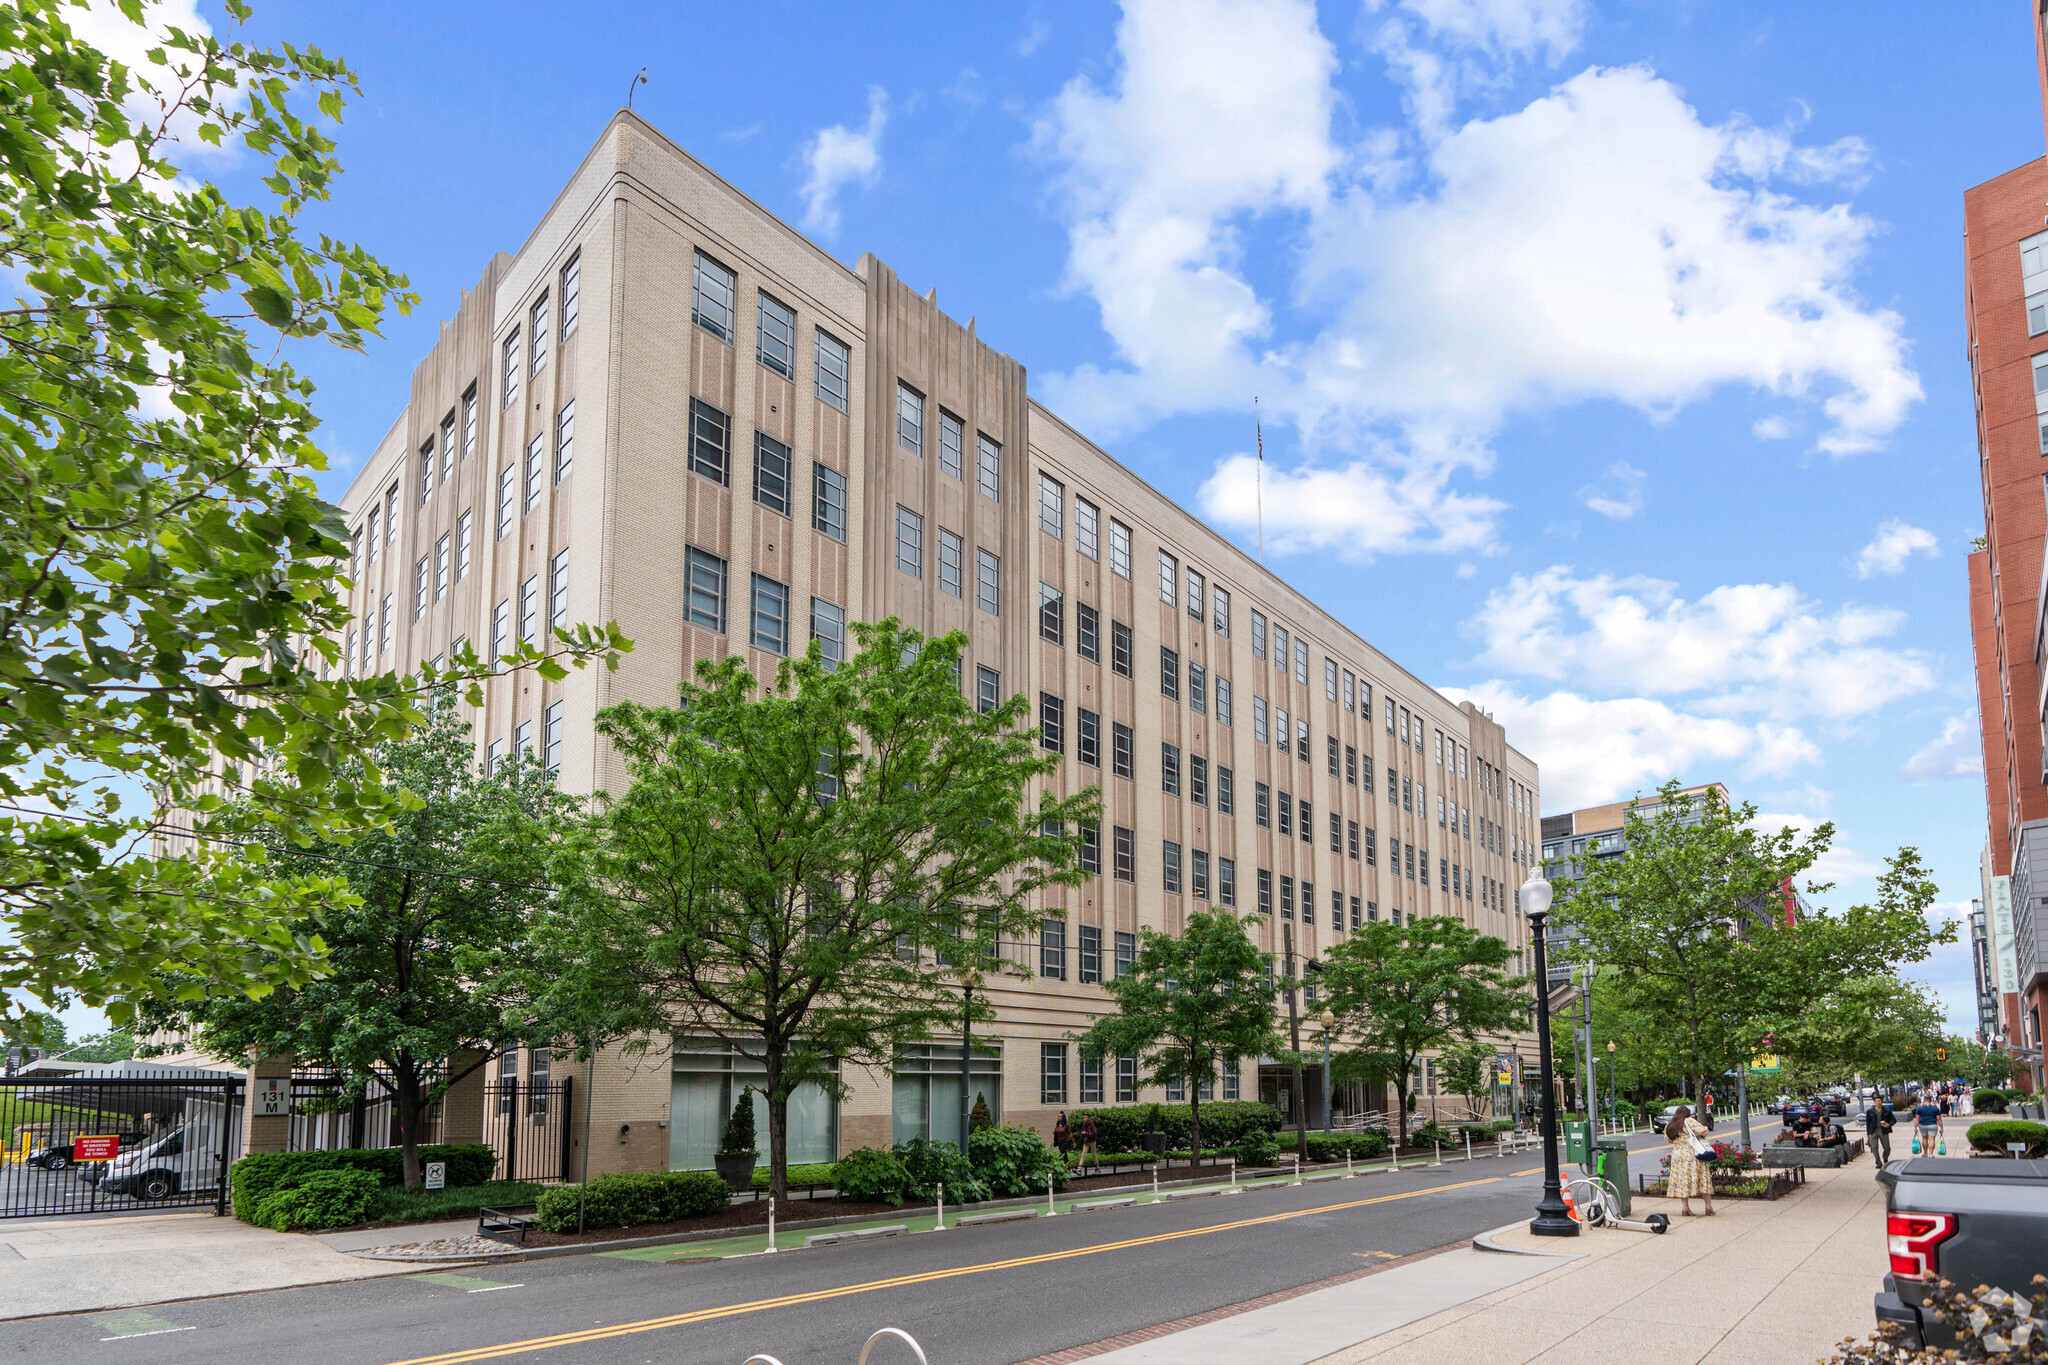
<point x="1610" y="353"/>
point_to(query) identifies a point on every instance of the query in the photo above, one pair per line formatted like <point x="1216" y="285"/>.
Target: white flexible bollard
<point x="1050" y="1210"/>
<point x="1233" y="1175"/>
<point x="1155" y="1182"/>
<point x="1468" y="1146"/>
<point x="771" y="1222"/>
<point x="1348" y="1172"/>
<point x="940" y="1226"/>
<point x="1438" y="1149"/>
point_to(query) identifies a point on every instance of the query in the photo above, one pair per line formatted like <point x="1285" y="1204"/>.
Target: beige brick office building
<point x="671" y="410"/>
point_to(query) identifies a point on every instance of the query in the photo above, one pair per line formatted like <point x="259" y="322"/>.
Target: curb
<point x="1484" y="1242"/>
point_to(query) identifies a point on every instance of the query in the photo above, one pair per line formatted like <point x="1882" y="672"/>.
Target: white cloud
<point x="1603" y="243"/>
<point x="1772" y="429"/>
<point x="1034" y="38"/>
<point x="1356" y="510"/>
<point x="840" y="156"/>
<point x="1619" y="494"/>
<point x="1958" y="751"/>
<point x="1754" y="647"/>
<point x="1896" y="542"/>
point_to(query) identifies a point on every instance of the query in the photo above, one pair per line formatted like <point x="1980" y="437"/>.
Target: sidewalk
<point x="77" y="1265"/>
<point x="1758" y="1283"/>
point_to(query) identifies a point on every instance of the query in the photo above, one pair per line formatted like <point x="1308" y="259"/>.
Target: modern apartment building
<point x="2005" y="287"/>
<point x="671" y="410"/>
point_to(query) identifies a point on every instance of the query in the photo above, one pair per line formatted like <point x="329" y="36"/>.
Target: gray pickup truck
<point x="1969" y="1221"/>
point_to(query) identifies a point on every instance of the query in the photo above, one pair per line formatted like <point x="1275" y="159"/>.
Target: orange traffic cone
<point x="1570" y="1207"/>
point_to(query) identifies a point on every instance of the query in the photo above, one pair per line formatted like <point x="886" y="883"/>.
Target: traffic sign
<point x="96" y="1148"/>
<point x="437" y="1175"/>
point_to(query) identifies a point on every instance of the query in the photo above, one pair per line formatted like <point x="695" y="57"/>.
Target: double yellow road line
<point x="513" y="1348"/>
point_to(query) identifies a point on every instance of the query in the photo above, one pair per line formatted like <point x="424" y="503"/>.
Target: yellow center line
<point x="511" y="1348"/>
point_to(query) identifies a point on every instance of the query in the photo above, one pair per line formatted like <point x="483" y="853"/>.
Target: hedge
<point x="1991" y="1101"/>
<point x="336" y="1197"/>
<point x="631" y="1199"/>
<point x="1992" y="1136"/>
<point x="1224" y="1123"/>
<point x="253" y="1177"/>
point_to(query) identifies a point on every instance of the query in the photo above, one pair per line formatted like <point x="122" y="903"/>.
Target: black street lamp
<point x="1552" y="1219"/>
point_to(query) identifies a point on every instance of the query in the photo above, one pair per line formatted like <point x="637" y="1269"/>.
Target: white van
<point x="183" y="1160"/>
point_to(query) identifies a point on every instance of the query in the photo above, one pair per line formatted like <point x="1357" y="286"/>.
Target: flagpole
<point x="1259" y="477"/>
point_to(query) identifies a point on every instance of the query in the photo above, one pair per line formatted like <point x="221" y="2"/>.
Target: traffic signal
<point x="1941" y="1054"/>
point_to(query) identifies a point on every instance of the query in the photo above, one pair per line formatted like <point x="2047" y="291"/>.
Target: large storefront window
<point x="926" y="1099"/>
<point x="708" y="1074"/>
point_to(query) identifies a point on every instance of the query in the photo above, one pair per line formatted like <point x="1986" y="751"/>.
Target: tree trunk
<point x="1194" y="1118"/>
<point x="406" y="1100"/>
<point x="778" y="1131"/>
<point x="1401" y="1106"/>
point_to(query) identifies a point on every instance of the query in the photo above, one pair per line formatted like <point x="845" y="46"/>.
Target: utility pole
<point x="1294" y="1043"/>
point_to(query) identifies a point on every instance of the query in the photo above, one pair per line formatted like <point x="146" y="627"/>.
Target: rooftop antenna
<point x="1259" y="477"/>
<point x="634" y="84"/>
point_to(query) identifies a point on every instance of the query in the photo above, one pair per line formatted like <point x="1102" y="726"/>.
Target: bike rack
<point x="762" y="1358"/>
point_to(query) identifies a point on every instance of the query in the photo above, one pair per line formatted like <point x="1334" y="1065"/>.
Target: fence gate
<point x="530" y="1127"/>
<point x="100" y="1144"/>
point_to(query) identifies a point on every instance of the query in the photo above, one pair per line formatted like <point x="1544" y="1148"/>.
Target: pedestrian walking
<point x="1877" y="1123"/>
<point x="1927" y="1120"/>
<point x="1062" y="1135"/>
<point x="1689" y="1174"/>
<point x="1088" y="1139"/>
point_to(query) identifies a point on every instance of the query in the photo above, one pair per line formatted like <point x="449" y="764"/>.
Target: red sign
<point x="95" y="1148"/>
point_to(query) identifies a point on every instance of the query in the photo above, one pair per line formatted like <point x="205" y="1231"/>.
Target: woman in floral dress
<point x="1689" y="1175"/>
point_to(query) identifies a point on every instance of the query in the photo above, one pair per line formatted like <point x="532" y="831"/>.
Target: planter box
<point x="1821" y="1158"/>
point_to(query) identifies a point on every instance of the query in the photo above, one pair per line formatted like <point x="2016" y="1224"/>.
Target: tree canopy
<point x="1190" y="1004"/>
<point x="805" y="868"/>
<point x="171" y="599"/>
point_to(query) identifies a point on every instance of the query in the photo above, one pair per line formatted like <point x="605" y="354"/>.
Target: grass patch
<point x="399" y="1205"/>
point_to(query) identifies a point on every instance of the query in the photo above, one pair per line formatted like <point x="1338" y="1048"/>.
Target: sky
<point x="1609" y="353"/>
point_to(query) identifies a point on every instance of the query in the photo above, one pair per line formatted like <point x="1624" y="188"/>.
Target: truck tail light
<point x="1914" y="1239"/>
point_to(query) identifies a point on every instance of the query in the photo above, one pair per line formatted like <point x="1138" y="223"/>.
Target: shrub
<point x="331" y="1198"/>
<point x="1258" y="1148"/>
<point x="931" y="1163"/>
<point x="817" y="1173"/>
<point x="1508" y="1125"/>
<point x="1992" y="1136"/>
<point x="1991" y="1101"/>
<point x="978" y="1117"/>
<point x="632" y="1198"/>
<point x="1014" y="1161"/>
<point x="255" y="1176"/>
<point x="1478" y="1132"/>
<point x="872" y="1174"/>
<point x="1336" y="1146"/>
<point x="738" y="1139"/>
<point x="1432" y="1135"/>
<point x="1225" y="1123"/>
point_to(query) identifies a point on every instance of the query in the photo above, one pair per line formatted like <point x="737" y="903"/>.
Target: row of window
<point x="988" y="567"/>
<point x="522" y="742"/>
<point x="714" y="306"/>
<point x="535" y="354"/>
<point x="910" y="435"/>
<point x="768" y="623"/>
<point x="709" y="453"/>
<point x="1052" y="1079"/>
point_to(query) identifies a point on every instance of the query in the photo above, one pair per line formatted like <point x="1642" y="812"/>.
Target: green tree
<point x="118" y="1045"/>
<point x="1188" y="1005"/>
<point x="1690" y="921"/>
<point x="1466" y="1069"/>
<point x="424" y="956"/>
<point x="1402" y="990"/>
<point x="170" y="611"/>
<point x="1877" y="1027"/>
<point x="797" y="868"/>
<point x="32" y="1028"/>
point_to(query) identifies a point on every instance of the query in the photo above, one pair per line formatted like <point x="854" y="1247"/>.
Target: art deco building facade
<point x="671" y="410"/>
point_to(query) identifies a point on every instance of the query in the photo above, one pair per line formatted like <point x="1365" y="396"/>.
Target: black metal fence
<point x="101" y="1144"/>
<point x="532" y="1128"/>
<point x="327" y="1117"/>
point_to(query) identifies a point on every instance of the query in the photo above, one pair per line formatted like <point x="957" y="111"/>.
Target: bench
<point x="1813" y="1158"/>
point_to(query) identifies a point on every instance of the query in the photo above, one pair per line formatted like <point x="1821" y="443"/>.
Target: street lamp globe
<point x="1329" y="1018"/>
<point x="1535" y="894"/>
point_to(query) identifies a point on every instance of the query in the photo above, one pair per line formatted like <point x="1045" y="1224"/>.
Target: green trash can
<point x="1612" y="1166"/>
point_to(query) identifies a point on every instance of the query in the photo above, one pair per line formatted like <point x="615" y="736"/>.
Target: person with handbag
<point x="1690" y="1174"/>
<point x="1927" y="1115"/>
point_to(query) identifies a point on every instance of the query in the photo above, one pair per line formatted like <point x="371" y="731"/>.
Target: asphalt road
<point x="1000" y="1294"/>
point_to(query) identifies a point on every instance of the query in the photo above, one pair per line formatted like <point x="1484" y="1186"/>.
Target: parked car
<point x="1830" y="1104"/>
<point x="1964" y="1221"/>
<point x="1777" y="1105"/>
<point x="162" y="1169"/>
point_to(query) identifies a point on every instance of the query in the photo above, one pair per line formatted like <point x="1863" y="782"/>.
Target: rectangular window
<point x="1330" y="679"/>
<point x="1088" y="735"/>
<point x="1336" y="832"/>
<point x="1259" y="723"/>
<point x="558" y="590"/>
<point x="1372" y="849"/>
<point x="529" y="609"/>
<point x="952" y="444"/>
<point x="1052" y="614"/>
<point x="1196" y="590"/>
<point x="1122" y="750"/>
<point x="1350" y="691"/>
<point x="712" y="296"/>
<point x="551" y="737"/>
<point x="1351" y="764"/>
<point x="508" y="484"/>
<point x="1330" y="746"/>
<point x="1091" y="1068"/>
<point x="951" y="551"/>
<point x="426" y="471"/>
<point x="469" y="422"/>
<point x="1052" y="506"/>
<point x="2037" y="313"/>
<point x="770" y="629"/>
<point x="1052" y="723"/>
<point x="1169" y="578"/>
<point x="1265" y="892"/>
<point x="1351" y="839"/>
<point x="572" y="293"/>
<point x="1198" y="779"/>
<point x="1223" y="701"/>
<point x="1365" y="774"/>
<point x="510" y="380"/>
<point x="775" y="341"/>
<point x="1091" y="849"/>
<point x="1280" y="649"/>
<point x="1301" y="740"/>
<point x="988" y="689"/>
<point x="909" y="542"/>
<point x="1262" y="805"/>
<point x="1308" y="821"/>
<point x="1052" y="949"/>
<point x="1169" y="867"/>
<point x="1226" y="881"/>
<point x="441" y="568"/>
<point x="390" y="515"/>
<point x="1286" y="897"/>
<point x="1354" y="913"/>
<point x="1308" y="914"/>
<point x="988" y="467"/>
<point x="828" y="501"/>
<point x="1126" y="1075"/>
<point x="1226" y="791"/>
<point x="1169" y="769"/>
<point x="1052" y="1073"/>
<point x="828" y="628"/>
<point x="538" y="330"/>
<point x="704" y="589"/>
<point x="909" y="419"/>
<point x="1258" y="635"/>
<point x="1285" y="807"/>
<point x="1220" y="601"/>
<point x="493" y="757"/>
<point x="835" y="370"/>
<point x="1119" y="549"/>
<point x="1087" y="528"/>
<point x="988" y="582"/>
<point x="710" y="442"/>
<point x="771" y="473"/>
<point x="1087" y="632"/>
<point x="1120" y="649"/>
<point x="1169" y="674"/>
<point x="1088" y="970"/>
<point x="1123" y="854"/>
<point x="1280" y="733"/>
<point x="565" y="440"/>
<point x="536" y="452"/>
<point x="419" y="588"/>
<point x="1198" y="689"/>
<point x="501" y="634"/>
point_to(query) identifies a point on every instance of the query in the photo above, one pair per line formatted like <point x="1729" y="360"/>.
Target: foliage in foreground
<point x="257" y="1175"/>
<point x="331" y="1198"/>
<point x="1992" y="1325"/>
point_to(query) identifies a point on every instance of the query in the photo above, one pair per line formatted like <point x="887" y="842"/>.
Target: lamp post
<point x="1329" y="1022"/>
<point x="1551" y="1220"/>
<point x="1613" y="1085"/>
<point x="968" y="980"/>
